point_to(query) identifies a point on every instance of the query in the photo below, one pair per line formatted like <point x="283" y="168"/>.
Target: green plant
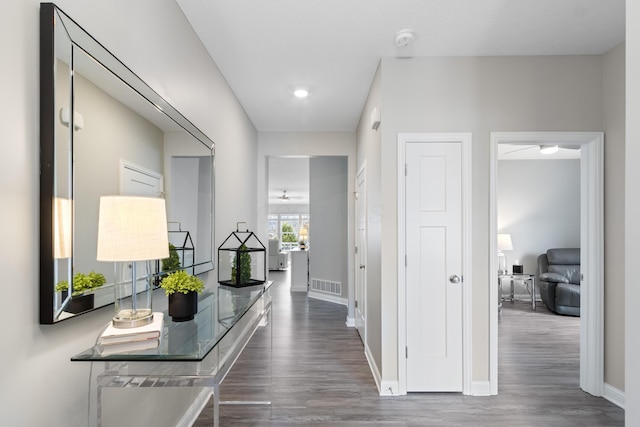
<point x="181" y="281"/>
<point x="82" y="283"/>
<point x="62" y="285"/>
<point x="173" y="262"/>
<point x="242" y="274"/>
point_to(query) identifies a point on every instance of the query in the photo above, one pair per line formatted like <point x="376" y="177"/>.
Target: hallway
<point x="320" y="376"/>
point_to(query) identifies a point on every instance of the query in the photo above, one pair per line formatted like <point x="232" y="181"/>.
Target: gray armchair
<point x="559" y="280"/>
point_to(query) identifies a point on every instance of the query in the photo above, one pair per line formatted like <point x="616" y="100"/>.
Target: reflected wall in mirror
<point x="104" y="131"/>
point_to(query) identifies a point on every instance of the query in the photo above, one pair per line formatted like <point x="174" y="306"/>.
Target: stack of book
<point x="119" y="340"/>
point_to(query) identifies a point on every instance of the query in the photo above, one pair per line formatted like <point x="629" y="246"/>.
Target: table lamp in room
<point x="132" y="230"/>
<point x="304" y="235"/>
<point x="504" y="244"/>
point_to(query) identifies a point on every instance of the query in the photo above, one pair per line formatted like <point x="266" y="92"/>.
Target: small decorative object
<point x="173" y="262"/>
<point x="242" y="259"/>
<point x="183" y="244"/>
<point x="81" y="283"/>
<point x="132" y="230"/>
<point x="518" y="268"/>
<point x="182" y="290"/>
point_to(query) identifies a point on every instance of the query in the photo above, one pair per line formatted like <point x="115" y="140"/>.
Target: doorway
<point x="591" y="243"/>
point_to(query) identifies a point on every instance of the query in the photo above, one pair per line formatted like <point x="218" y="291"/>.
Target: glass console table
<point x="197" y="353"/>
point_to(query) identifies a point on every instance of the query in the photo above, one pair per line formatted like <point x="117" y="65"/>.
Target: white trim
<point x="480" y="388"/>
<point x="350" y="322"/>
<point x="465" y="140"/>
<point x="196" y="408"/>
<point x="614" y="395"/>
<point x="126" y="164"/>
<point x="592" y="251"/>
<point x="329" y="298"/>
<point x="372" y="366"/>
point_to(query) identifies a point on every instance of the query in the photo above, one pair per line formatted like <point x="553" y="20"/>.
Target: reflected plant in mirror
<point x="104" y="131"/>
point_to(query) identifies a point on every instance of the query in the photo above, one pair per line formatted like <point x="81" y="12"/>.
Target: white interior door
<point x="434" y="266"/>
<point x="138" y="181"/>
<point x="361" y="255"/>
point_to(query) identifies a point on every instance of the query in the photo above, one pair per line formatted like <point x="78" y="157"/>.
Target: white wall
<point x="35" y="366"/>
<point x="539" y="206"/>
<point x="632" y="213"/>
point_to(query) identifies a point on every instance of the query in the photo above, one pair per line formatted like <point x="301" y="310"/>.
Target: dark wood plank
<point x="318" y="376"/>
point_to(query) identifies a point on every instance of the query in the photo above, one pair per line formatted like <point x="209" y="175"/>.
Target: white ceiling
<point x="266" y="49"/>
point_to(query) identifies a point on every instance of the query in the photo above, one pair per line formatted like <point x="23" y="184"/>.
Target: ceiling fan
<point x="544" y="148"/>
<point x="285" y="197"/>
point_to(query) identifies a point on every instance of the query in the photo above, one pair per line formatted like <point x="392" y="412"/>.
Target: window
<point x="286" y="227"/>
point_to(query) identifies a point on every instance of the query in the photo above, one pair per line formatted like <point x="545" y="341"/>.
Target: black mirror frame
<point x="48" y="15"/>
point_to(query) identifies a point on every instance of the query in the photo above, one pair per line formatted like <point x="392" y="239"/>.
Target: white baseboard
<point x="614" y="395"/>
<point x="194" y="411"/>
<point x="351" y="322"/>
<point x="385" y="388"/>
<point x="326" y="297"/>
<point x="480" y="388"/>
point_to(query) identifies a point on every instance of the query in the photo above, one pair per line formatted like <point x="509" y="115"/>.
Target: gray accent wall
<point x="328" y="211"/>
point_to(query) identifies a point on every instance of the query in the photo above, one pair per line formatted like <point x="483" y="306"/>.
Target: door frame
<point x="465" y="140"/>
<point x="591" y="248"/>
<point x="362" y="172"/>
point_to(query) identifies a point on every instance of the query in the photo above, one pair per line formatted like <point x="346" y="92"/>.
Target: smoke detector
<point x="404" y="37"/>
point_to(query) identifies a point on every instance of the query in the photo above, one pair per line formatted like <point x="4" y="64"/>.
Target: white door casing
<point x="591" y="250"/>
<point x="361" y="254"/>
<point x="434" y="258"/>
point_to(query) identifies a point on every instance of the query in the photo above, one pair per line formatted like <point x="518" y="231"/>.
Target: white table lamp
<point x="131" y="230"/>
<point x="504" y="244"/>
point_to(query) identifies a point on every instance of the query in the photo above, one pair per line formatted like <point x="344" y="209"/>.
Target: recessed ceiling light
<point x="301" y="93"/>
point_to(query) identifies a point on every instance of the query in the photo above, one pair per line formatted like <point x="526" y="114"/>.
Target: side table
<point x="529" y="281"/>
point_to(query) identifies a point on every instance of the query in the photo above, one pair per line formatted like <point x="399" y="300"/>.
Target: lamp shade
<point x="61" y="228"/>
<point x="304" y="232"/>
<point x="132" y="229"/>
<point x="504" y="242"/>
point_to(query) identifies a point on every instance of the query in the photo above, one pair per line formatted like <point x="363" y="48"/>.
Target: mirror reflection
<point x="106" y="132"/>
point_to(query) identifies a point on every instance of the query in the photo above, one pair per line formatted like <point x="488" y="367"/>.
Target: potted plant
<point x="173" y="262"/>
<point x="81" y="283"/>
<point x="182" y="290"/>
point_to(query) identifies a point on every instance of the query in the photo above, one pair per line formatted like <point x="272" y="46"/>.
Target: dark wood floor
<point x="319" y="376"/>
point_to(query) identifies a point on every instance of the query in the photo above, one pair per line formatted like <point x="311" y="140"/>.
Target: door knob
<point x="362" y="267"/>
<point x="454" y="279"/>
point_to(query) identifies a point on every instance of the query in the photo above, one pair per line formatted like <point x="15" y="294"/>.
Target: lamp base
<point x="132" y="319"/>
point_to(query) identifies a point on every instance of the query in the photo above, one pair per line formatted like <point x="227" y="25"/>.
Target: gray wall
<point x="308" y="144"/>
<point x="369" y="160"/>
<point x="328" y="211"/>
<point x="35" y="364"/>
<point x="477" y="95"/>
<point x="632" y="213"/>
<point x="539" y="206"/>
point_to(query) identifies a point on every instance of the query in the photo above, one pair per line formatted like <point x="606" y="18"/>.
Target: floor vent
<point x="326" y="287"/>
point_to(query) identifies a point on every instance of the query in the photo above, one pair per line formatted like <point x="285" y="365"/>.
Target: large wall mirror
<point x="104" y="131"/>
